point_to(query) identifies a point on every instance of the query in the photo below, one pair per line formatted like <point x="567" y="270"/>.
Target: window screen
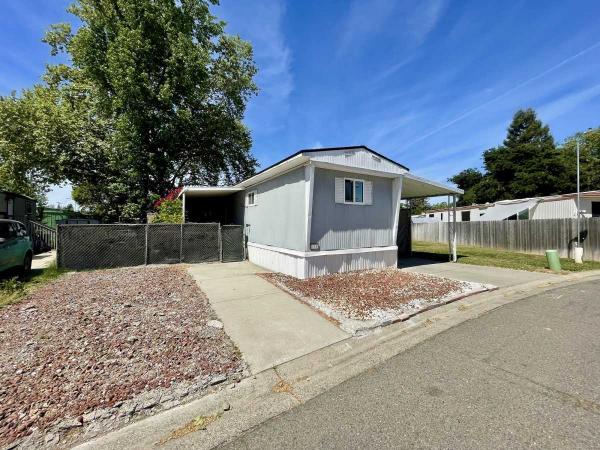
<point x="358" y="191"/>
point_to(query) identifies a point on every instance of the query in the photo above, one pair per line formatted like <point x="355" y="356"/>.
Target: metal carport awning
<point x="417" y="187"/>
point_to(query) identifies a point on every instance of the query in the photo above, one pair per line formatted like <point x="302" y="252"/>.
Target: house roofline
<point x="17" y="195"/>
<point x="326" y="149"/>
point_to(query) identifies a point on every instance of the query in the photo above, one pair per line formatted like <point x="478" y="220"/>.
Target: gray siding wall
<point x="338" y="226"/>
<point x="278" y="219"/>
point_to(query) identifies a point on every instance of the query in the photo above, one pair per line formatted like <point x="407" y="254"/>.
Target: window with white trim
<point x="251" y="198"/>
<point x="354" y="191"/>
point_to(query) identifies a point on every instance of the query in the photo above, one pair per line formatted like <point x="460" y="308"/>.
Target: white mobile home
<point x="318" y="211"/>
<point x="471" y="213"/>
<point x="550" y="207"/>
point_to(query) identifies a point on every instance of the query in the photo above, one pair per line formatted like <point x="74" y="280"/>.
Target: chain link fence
<point x="106" y="246"/>
<point x="231" y="237"/>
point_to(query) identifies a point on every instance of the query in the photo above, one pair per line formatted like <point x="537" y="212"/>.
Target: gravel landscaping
<point x="93" y="350"/>
<point x="358" y="301"/>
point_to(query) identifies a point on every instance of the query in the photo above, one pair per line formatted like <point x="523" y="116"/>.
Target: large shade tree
<point x="152" y="96"/>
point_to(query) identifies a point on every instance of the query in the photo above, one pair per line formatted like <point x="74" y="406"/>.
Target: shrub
<point x="169" y="211"/>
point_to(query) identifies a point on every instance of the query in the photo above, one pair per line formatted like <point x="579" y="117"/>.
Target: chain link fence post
<point x="181" y="243"/>
<point x="220" y="244"/>
<point x="146" y="246"/>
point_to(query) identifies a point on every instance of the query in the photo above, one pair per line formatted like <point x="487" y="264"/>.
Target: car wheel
<point x="26" y="268"/>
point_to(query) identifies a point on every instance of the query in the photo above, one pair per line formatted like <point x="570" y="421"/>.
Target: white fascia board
<point x="274" y="171"/>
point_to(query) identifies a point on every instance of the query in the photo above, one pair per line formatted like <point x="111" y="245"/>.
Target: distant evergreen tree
<point x="528" y="164"/>
<point x="467" y="180"/>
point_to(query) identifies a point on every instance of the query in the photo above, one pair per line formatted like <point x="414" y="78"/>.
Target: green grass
<point x="13" y="287"/>
<point x="496" y="258"/>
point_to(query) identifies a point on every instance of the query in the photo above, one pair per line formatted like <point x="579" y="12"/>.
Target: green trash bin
<point x="553" y="260"/>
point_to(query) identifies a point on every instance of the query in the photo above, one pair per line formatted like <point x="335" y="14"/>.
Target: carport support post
<point x="454" y="258"/>
<point x="448" y="228"/>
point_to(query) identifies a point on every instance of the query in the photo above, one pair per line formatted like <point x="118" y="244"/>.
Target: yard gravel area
<point x="361" y="300"/>
<point x="97" y="341"/>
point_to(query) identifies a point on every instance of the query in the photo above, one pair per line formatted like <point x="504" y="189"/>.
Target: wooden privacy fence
<point x="526" y="236"/>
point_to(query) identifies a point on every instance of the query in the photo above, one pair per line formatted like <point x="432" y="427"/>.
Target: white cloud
<point x="567" y="103"/>
<point x="424" y="17"/>
<point x="260" y="22"/>
<point x="362" y="20"/>
<point x="412" y="21"/>
<point x="504" y="95"/>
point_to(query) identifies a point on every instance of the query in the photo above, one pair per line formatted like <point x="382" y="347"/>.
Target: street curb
<point x="275" y="391"/>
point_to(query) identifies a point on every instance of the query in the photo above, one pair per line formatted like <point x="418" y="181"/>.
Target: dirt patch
<point x="365" y="299"/>
<point x="106" y="344"/>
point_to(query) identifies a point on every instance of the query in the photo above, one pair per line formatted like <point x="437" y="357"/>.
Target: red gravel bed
<point x="358" y="294"/>
<point x="92" y="339"/>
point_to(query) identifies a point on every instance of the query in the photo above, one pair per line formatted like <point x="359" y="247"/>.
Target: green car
<point x="16" y="248"/>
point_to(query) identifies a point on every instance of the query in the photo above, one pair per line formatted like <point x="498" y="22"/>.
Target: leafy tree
<point x="439" y="205"/>
<point x="528" y="163"/>
<point x="31" y="135"/>
<point x="589" y="158"/>
<point x="418" y="205"/>
<point x="153" y="97"/>
<point x="466" y="180"/>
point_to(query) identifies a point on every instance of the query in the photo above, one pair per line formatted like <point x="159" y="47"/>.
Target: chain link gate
<point x="232" y="243"/>
<point x="200" y="243"/>
<point x="108" y="246"/>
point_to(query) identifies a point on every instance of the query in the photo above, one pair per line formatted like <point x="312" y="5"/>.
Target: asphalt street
<point x="521" y="376"/>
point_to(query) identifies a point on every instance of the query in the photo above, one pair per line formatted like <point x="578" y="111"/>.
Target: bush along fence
<point x="116" y="245"/>
<point x="526" y="236"/>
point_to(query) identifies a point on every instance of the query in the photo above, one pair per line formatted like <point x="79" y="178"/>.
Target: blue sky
<point x="430" y="83"/>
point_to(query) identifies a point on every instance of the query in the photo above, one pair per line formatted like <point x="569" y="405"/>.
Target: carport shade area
<point x="212" y="205"/>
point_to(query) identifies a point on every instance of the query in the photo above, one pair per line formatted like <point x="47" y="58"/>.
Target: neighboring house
<point x="471" y="213"/>
<point x="51" y="217"/>
<point x="550" y="207"/>
<point x="565" y="206"/>
<point x="318" y="211"/>
<point x="16" y="206"/>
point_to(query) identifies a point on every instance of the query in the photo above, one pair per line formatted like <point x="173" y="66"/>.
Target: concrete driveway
<point x="496" y="276"/>
<point x="268" y="325"/>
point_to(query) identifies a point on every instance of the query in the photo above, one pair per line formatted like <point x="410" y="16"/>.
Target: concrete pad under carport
<point x="268" y="325"/>
<point x="496" y="276"/>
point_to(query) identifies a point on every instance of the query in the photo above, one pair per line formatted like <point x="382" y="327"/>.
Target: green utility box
<point x="553" y="260"/>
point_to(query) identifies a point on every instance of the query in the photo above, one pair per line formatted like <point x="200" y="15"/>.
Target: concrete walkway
<point x="268" y="325"/>
<point x="43" y="260"/>
<point x="479" y="274"/>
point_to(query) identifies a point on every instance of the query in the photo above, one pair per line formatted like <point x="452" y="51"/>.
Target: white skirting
<point x="312" y="264"/>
